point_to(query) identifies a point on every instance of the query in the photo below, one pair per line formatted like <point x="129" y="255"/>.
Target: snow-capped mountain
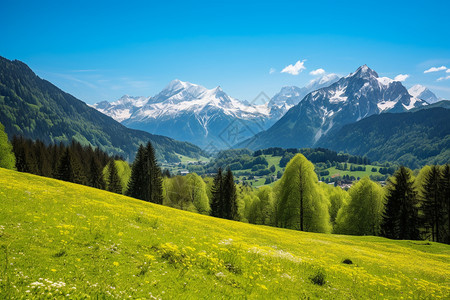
<point x="351" y="98"/>
<point x="191" y="112"/>
<point x="290" y="96"/>
<point x="422" y="92"/>
<point x="121" y="109"/>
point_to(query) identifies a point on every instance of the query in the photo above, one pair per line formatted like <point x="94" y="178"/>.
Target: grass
<point x="59" y="239"/>
<point x="356" y="174"/>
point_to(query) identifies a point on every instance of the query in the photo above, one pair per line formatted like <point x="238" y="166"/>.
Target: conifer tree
<point x="136" y="185"/>
<point x="230" y="208"/>
<point x="400" y="218"/>
<point x="433" y="203"/>
<point x="64" y="169"/>
<point x="154" y="184"/>
<point x="114" y="184"/>
<point x="95" y="176"/>
<point x="445" y="190"/>
<point x="146" y="179"/>
<point x="217" y="196"/>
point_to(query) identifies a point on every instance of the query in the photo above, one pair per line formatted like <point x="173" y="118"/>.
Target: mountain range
<point x="354" y="97"/>
<point x="36" y="109"/>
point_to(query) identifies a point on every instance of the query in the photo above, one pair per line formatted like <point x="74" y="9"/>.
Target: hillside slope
<point x="36" y="109"/>
<point x="65" y="239"/>
<point x="412" y="139"/>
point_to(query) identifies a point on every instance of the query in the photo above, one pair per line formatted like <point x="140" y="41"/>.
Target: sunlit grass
<point x="60" y="239"/>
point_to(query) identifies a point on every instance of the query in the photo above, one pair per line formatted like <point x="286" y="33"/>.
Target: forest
<point x="412" y="205"/>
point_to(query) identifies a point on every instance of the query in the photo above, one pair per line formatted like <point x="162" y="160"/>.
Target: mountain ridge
<point x="35" y="108"/>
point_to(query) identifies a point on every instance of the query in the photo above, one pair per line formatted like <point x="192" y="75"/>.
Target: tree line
<point x="408" y="207"/>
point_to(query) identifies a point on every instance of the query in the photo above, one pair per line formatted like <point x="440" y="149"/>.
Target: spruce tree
<point x="230" y="208"/>
<point x="217" y="196"/>
<point x="400" y="218"/>
<point x="433" y="204"/>
<point x="95" y="176"/>
<point x="136" y="185"/>
<point x="154" y="183"/>
<point x="64" y="169"/>
<point x="445" y="192"/>
<point x="114" y="184"/>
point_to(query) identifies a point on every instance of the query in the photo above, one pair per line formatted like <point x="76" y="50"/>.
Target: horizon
<point x="103" y="51"/>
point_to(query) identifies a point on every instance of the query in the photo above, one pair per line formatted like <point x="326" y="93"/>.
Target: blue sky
<point x="103" y="50"/>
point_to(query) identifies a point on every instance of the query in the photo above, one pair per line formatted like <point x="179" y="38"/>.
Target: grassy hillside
<point x="58" y="238"/>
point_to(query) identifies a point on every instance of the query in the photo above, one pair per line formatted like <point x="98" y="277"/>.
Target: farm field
<point x="59" y="239"/>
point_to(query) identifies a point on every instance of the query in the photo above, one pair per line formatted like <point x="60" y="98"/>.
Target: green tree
<point x="230" y="206"/>
<point x="64" y="169"/>
<point x="261" y="210"/>
<point x="433" y="205"/>
<point x="445" y="190"/>
<point x="400" y="217"/>
<point x="146" y="179"/>
<point x="137" y="183"/>
<point x="301" y="204"/>
<point x="337" y="197"/>
<point x="197" y="193"/>
<point x="7" y="158"/>
<point x="362" y="214"/>
<point x="114" y="184"/>
<point x="95" y="175"/>
<point x="217" y="195"/>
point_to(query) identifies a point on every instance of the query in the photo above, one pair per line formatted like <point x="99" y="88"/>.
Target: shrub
<point x="347" y="261"/>
<point x="319" y="277"/>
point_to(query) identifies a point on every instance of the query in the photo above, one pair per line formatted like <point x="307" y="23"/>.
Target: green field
<point x="59" y="239"/>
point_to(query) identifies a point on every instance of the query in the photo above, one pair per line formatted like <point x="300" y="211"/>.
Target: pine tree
<point x="114" y="184"/>
<point x="95" y="176"/>
<point x="154" y="184"/>
<point x="445" y="191"/>
<point x="64" y="169"/>
<point x="400" y="218"/>
<point x="217" y="196"/>
<point x="230" y="208"/>
<point x="136" y="185"/>
<point x="146" y="179"/>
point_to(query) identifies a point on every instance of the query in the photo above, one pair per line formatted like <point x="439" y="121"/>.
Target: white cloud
<point x="295" y="69"/>
<point x="443" y="78"/>
<point x="435" y="69"/>
<point x="448" y="71"/>
<point x="401" y="77"/>
<point x="319" y="71"/>
<point x="272" y="70"/>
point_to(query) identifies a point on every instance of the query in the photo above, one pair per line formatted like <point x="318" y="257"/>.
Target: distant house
<point x="183" y="172"/>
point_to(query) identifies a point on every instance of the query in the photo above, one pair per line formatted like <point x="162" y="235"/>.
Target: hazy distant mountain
<point x="422" y="92"/>
<point x="351" y="98"/>
<point x="36" y="109"/>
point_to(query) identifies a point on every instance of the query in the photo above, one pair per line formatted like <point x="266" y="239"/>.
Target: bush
<point x="318" y="278"/>
<point x="347" y="261"/>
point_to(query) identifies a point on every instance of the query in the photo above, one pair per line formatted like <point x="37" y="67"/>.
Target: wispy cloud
<point x="435" y="69"/>
<point x="316" y="72"/>
<point x="272" y="70"/>
<point x="448" y="71"/>
<point x="295" y="69"/>
<point x="401" y="77"/>
<point x="443" y="78"/>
